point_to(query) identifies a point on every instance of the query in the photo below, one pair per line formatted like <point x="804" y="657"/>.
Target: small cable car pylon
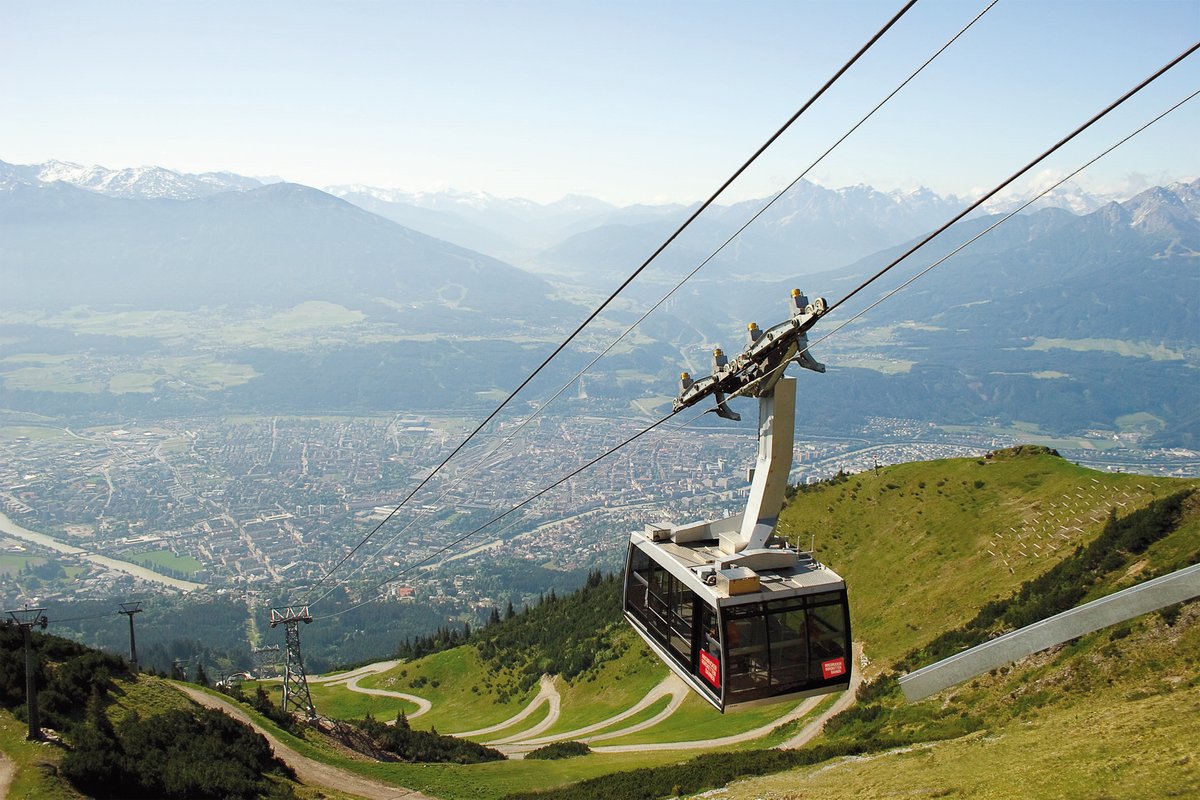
<point x="129" y="609"/>
<point x="296" y="697"/>
<point x="26" y="619"/>
<point x="740" y="615"/>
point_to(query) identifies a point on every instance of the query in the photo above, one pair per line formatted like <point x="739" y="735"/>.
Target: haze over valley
<point x="227" y="381"/>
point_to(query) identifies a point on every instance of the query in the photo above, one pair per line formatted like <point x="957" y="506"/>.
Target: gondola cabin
<point x="737" y="613"/>
<point x="738" y="636"/>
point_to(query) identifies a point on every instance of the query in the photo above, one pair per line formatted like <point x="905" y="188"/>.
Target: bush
<point x="180" y="755"/>
<point x="560" y="750"/>
<point x="698" y="774"/>
<point x="67" y="674"/>
<point x="1170" y="614"/>
<point x="425" y="746"/>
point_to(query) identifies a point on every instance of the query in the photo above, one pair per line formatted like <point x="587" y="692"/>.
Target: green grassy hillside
<point x="111" y="734"/>
<point x="924" y="547"/>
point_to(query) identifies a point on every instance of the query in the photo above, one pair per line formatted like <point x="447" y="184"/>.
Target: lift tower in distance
<point x="129" y="609"/>
<point x="295" y="683"/>
<point x="26" y="618"/>
<point x="264" y="656"/>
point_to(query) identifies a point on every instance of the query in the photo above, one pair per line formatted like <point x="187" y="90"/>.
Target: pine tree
<point x="201" y="675"/>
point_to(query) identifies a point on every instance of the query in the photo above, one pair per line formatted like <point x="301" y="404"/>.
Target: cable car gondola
<point x="741" y="616"/>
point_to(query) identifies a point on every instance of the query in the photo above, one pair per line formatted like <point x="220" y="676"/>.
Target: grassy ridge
<point x="1085" y="574"/>
<point x="1111" y="715"/>
<point x="915" y="570"/>
<point x="912" y="540"/>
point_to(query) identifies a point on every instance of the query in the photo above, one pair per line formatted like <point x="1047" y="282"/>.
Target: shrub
<point x="560" y="750"/>
<point x="182" y="754"/>
<point x="698" y="774"/>
<point x="424" y="746"/>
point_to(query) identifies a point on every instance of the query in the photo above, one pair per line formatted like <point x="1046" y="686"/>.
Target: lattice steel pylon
<point x="265" y="657"/>
<point x="296" y="697"/>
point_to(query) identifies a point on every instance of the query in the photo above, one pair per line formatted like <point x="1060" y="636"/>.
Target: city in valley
<point x="252" y="504"/>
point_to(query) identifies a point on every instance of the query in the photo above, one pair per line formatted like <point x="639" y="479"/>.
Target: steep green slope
<point x="119" y="735"/>
<point x="913" y="542"/>
<point x="923" y="546"/>
<point x="1111" y="715"/>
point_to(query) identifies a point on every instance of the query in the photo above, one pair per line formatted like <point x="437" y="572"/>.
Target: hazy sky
<point x="627" y="100"/>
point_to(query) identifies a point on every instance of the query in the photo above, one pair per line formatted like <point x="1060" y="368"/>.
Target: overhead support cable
<point x="823" y="338"/>
<point x="1003" y="219"/>
<point x="577" y="471"/>
<point x="496" y="519"/>
<point x="587" y="368"/>
<point x="1113" y="105"/>
<point x="81" y="619"/>
<point x="596" y="312"/>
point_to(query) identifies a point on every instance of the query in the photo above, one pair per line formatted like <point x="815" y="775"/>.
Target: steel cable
<point x="842" y="325"/>
<point x="687" y="222"/>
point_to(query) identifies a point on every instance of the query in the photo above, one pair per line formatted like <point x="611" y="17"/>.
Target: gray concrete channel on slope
<point x="1166" y="590"/>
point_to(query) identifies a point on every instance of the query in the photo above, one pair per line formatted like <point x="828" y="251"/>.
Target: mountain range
<point x="1072" y="322"/>
<point x="809" y="229"/>
<point x="277" y="245"/>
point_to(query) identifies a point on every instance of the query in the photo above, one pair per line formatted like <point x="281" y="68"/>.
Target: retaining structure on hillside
<point x="1117" y="607"/>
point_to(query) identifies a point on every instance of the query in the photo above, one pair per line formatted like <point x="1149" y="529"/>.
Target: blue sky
<point x="628" y="101"/>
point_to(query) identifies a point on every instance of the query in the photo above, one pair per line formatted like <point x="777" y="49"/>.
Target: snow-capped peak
<point x="135" y="182"/>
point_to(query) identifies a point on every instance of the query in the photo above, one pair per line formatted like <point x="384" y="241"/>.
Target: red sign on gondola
<point x="710" y="669"/>
<point x="833" y="667"/>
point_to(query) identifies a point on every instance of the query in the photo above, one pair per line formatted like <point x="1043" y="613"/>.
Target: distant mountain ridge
<point x="1078" y="323"/>
<point x="278" y="245"/>
<point x="811" y="228"/>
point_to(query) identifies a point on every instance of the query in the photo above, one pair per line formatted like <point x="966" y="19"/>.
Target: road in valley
<point x="10" y="528"/>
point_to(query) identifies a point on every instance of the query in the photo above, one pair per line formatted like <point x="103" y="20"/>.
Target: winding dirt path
<point x="308" y="770"/>
<point x="354" y="674"/>
<point x="350" y="681"/>
<point x="812" y="729"/>
<point x="423" y="705"/>
<point x="516" y="745"/>
<point x="677" y="699"/>
<point x="8" y="770"/>
<point x="809" y="731"/>
<point x="548" y="689"/>
<point x="670" y="685"/>
<point x="549" y="694"/>
<point x="700" y="744"/>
